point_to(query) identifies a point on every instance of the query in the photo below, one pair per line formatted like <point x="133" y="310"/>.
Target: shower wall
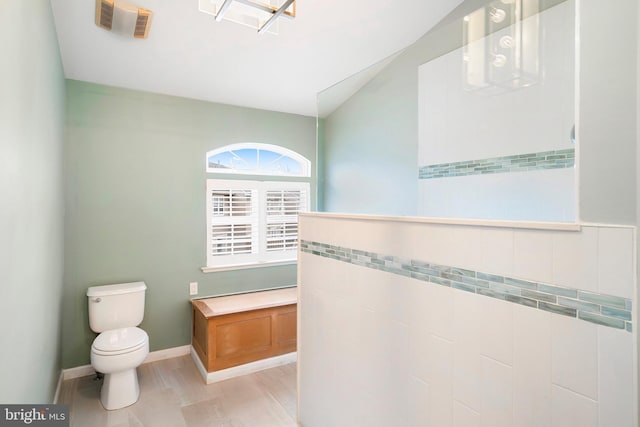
<point x="492" y="145"/>
<point x="404" y="322"/>
<point x="371" y="141"/>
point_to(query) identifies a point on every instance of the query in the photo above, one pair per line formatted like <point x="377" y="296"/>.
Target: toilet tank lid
<point x="119" y="288"/>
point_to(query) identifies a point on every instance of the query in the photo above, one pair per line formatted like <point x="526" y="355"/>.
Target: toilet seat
<point x="119" y="341"/>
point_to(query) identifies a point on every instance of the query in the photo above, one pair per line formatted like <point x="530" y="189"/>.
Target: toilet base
<point x="120" y="389"/>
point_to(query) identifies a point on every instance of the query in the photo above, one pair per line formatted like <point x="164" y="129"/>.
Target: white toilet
<point x="115" y="311"/>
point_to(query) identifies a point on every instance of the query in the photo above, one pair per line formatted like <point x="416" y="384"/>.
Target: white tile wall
<point x="531" y="367"/>
<point x="496" y="316"/>
<point x="420" y="347"/>
<point x="575" y="259"/>
<point x="418" y="402"/>
<point x="390" y="350"/>
<point x="440" y="313"/>
<point x="382" y="292"/>
<point x="615" y="391"/>
<point x="615" y="261"/>
<point x="533" y="255"/>
<point x="497" y="251"/>
<point x="436" y="234"/>
<point x="572" y="409"/>
<point x="463" y="416"/>
<point x="574" y="356"/>
<point x="497" y="396"/>
<point x="440" y="376"/>
<point x="464" y="247"/>
<point x="466" y="350"/>
<point x="455" y="124"/>
<point x="467" y="384"/>
<point x="483" y="196"/>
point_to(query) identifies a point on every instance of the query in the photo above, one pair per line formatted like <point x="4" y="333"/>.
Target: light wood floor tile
<point x="281" y="383"/>
<point x="173" y="394"/>
<point x="208" y="413"/>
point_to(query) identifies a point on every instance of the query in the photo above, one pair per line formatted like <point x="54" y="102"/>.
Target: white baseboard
<point x="56" y="396"/>
<point x="77" y="372"/>
<point x="168" y="353"/>
<point x="154" y="356"/>
<point x="247" y="368"/>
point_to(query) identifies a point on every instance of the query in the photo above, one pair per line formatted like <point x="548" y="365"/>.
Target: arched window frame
<point x="305" y="164"/>
<point x="251" y="231"/>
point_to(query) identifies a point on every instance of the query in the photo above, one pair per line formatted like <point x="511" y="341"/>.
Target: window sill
<point x="247" y="266"/>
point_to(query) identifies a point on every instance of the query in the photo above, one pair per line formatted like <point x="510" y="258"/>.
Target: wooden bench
<point x="238" y="329"/>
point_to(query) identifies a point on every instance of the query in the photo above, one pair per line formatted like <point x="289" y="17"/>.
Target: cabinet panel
<point x="287" y="330"/>
<point x="223" y="341"/>
<point x="245" y="336"/>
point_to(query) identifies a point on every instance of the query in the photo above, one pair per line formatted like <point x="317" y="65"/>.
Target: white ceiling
<point x="188" y="54"/>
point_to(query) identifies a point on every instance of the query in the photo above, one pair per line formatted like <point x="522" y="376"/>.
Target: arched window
<point x="257" y="159"/>
<point x="251" y="222"/>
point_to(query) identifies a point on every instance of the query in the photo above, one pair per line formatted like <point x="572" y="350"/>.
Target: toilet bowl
<point x="115" y="311"/>
<point x="117" y="354"/>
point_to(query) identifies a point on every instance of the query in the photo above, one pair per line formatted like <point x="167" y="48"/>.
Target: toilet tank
<point x="116" y="306"/>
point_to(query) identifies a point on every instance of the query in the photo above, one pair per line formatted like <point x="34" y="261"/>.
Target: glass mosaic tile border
<point x="602" y="309"/>
<point x="558" y="159"/>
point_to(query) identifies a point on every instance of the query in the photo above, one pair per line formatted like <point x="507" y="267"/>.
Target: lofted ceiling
<point x="191" y="55"/>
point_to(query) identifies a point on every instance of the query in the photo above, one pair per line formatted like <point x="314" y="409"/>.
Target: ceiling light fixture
<point x="261" y="15"/>
<point x="502" y="50"/>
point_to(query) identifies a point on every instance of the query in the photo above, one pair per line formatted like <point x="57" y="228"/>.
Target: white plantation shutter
<point x="282" y="207"/>
<point x="234" y="222"/>
<point x="250" y="222"/>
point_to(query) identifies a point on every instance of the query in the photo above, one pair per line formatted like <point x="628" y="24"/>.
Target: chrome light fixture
<point x="261" y="15"/>
<point x="502" y="46"/>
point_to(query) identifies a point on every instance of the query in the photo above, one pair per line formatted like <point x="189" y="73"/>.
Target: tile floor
<point x="173" y="394"/>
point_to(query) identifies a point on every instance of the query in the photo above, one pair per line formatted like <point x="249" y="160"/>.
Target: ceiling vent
<point x="123" y="18"/>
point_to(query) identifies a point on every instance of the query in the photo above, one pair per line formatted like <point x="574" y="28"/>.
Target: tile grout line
<point x="574" y="392"/>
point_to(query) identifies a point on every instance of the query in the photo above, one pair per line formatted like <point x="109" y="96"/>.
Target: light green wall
<point x="31" y="212"/>
<point x="135" y="180"/>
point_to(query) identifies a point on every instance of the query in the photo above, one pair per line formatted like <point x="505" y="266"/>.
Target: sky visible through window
<point x="255" y="160"/>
